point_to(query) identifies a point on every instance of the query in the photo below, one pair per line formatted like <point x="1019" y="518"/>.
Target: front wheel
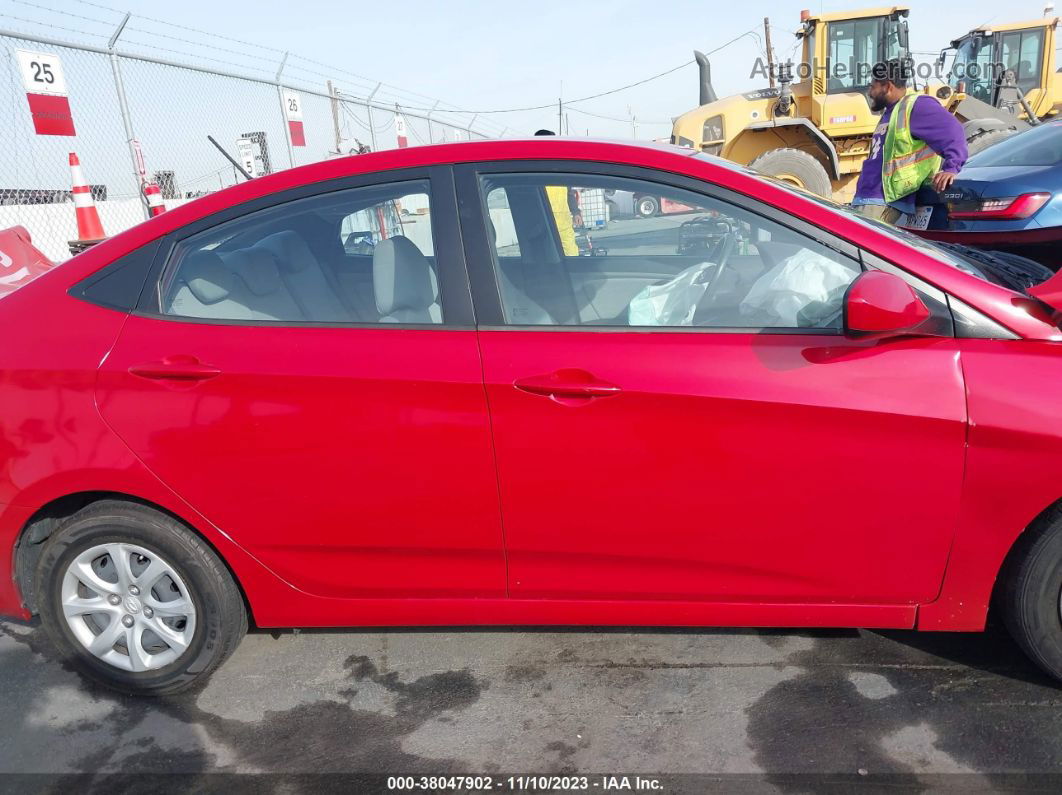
<point x="136" y="601"/>
<point x="647" y="206"/>
<point x="983" y="139"/>
<point x="1032" y="595"/>
<point x="796" y="168"/>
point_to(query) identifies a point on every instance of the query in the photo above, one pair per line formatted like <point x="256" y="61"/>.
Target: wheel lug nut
<point x="127" y="620"/>
<point x="134" y="590"/>
<point x="148" y="612"/>
<point x="114" y="599"/>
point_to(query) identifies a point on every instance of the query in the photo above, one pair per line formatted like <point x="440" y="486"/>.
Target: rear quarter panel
<point x="54" y="443"/>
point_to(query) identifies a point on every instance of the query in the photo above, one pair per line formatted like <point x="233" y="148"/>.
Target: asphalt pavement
<point x="770" y="710"/>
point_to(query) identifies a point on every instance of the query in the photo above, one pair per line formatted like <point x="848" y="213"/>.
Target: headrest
<point x="256" y="267"/>
<point x="289" y="249"/>
<point x="207" y="277"/>
<point x="402" y="276"/>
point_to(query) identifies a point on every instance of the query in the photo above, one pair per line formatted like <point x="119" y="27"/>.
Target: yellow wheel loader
<point x="815" y="131"/>
<point x="1009" y="67"/>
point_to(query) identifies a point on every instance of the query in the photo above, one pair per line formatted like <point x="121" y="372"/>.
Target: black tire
<point x="794" y="163"/>
<point x="646" y="206"/>
<point x="221" y="619"/>
<point x="982" y="139"/>
<point x="1032" y="591"/>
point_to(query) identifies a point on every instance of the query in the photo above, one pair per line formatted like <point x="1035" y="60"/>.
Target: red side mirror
<point x="880" y="304"/>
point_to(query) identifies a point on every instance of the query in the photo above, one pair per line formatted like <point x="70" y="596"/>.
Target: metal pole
<point x="431" y="140"/>
<point x="560" y="116"/>
<point x="335" y="118"/>
<point x="770" y="52"/>
<point x="284" y="112"/>
<point x="123" y="107"/>
<point x="368" y="111"/>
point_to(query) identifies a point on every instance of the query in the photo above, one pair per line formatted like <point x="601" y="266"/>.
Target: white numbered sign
<point x="292" y="105"/>
<point x="42" y="73"/>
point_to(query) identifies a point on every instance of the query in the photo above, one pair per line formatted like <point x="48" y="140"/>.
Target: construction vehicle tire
<point x="795" y="167"/>
<point x="982" y="139"/>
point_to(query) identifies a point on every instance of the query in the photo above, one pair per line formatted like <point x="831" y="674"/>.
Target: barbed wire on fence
<point x="138" y="84"/>
<point x="123" y="90"/>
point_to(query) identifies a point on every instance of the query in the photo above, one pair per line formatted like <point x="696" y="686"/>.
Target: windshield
<point x="973" y="66"/>
<point x="925" y="246"/>
<point x="1040" y="146"/>
<point x="855" y="45"/>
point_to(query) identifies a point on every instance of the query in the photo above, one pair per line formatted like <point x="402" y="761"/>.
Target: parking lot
<point x="955" y="712"/>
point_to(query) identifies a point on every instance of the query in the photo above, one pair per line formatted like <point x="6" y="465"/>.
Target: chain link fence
<point x="169" y="108"/>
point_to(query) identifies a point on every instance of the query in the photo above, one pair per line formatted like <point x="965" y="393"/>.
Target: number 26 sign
<point x="42" y="77"/>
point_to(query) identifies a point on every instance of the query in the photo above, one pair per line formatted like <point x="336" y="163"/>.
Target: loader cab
<point x="843" y="51"/>
<point x="1027" y="49"/>
<point x="839" y="53"/>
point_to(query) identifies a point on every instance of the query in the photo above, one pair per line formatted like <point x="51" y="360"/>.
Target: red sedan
<point x="393" y="390"/>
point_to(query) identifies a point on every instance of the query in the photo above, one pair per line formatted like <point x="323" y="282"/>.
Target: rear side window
<point x="614" y="251"/>
<point x="361" y="255"/>
<point x="1041" y="146"/>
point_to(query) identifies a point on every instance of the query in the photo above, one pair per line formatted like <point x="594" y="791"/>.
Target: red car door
<point x="677" y="414"/>
<point x="296" y="376"/>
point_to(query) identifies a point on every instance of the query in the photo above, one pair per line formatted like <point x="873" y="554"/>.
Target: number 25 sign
<point x="42" y="76"/>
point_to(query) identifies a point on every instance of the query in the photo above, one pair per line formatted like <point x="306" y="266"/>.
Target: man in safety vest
<point x="564" y="202"/>
<point x="916" y="143"/>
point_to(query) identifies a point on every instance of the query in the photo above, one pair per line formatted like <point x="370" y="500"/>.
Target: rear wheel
<point x="646" y="206"/>
<point x="796" y="168"/>
<point x="1032" y="593"/>
<point x="137" y="601"/>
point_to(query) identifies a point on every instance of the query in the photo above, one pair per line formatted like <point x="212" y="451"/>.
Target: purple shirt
<point x="929" y="123"/>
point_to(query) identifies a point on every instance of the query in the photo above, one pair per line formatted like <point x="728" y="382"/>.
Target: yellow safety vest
<point x="562" y="214"/>
<point x="908" y="162"/>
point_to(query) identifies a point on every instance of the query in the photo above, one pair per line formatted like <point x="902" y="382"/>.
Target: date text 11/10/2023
<point x="529" y="783"/>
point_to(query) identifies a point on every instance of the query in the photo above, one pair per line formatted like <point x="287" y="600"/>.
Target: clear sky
<point x="502" y="54"/>
<point x="474" y="54"/>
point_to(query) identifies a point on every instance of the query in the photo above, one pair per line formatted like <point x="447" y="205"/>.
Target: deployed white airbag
<point x="799" y="291"/>
<point x="672" y="303"/>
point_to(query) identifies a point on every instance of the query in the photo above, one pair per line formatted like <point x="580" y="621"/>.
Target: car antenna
<point x="229" y="157"/>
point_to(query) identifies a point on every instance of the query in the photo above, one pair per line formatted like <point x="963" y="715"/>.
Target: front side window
<point x="854" y="47"/>
<point x="613" y="251"/>
<point x="360" y="255"/>
<point x="973" y="68"/>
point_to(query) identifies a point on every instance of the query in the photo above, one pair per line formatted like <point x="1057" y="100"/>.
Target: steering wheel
<point x="727" y="244"/>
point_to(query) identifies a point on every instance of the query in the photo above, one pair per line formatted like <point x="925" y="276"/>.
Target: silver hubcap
<point x="128" y="606"/>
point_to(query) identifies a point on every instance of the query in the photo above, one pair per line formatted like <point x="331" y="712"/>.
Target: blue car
<point x="1008" y="198"/>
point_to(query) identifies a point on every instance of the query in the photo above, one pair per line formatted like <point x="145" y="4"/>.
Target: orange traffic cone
<point x="89" y="228"/>
<point x="154" y="199"/>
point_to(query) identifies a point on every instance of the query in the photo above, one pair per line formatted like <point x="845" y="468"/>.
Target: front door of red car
<point x="677" y="414"/>
<point x="306" y="375"/>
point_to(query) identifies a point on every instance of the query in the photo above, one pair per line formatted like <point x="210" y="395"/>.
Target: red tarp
<point x="20" y="261"/>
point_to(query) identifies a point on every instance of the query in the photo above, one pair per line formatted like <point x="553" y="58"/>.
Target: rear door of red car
<point x="339" y="433"/>
<point x="735" y="447"/>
